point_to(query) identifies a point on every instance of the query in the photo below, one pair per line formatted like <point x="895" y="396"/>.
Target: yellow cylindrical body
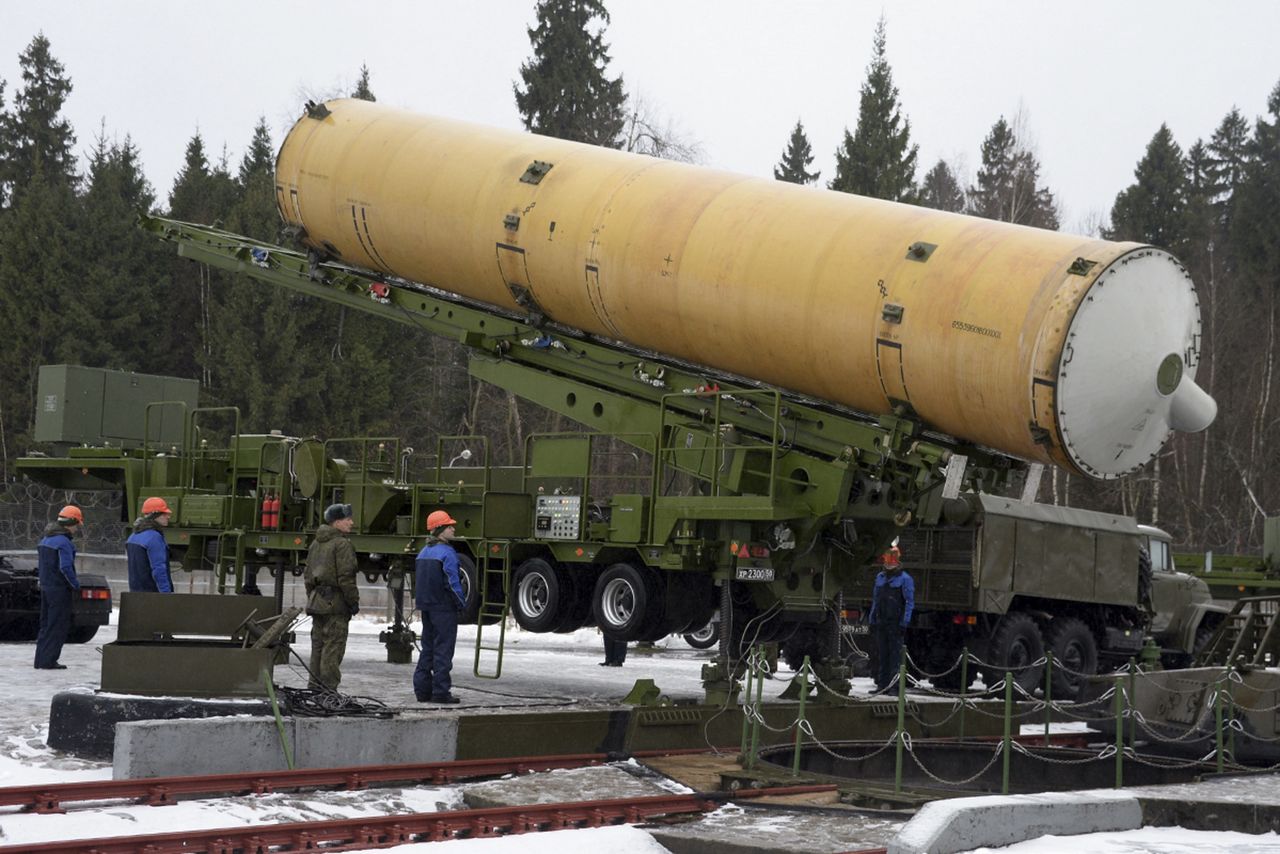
<point x="865" y="303"/>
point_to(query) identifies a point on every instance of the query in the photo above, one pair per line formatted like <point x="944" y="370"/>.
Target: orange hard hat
<point x="71" y="512"/>
<point x="439" y="519"/>
<point x="155" y="505"/>
<point x="892" y="557"/>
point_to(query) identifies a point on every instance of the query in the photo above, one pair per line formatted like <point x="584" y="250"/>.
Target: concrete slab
<point x="209" y="746"/>
<point x="750" y="829"/>
<point x="335" y="742"/>
<point x="571" y="784"/>
<point x="241" y="744"/>
<point x="962" y="824"/>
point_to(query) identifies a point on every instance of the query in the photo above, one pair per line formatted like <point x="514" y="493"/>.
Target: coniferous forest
<point x="81" y="284"/>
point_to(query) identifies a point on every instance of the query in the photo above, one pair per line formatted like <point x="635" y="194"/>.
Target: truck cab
<point x="1184" y="614"/>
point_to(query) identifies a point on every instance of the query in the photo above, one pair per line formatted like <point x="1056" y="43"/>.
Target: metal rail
<point x="161" y="791"/>
<point x="386" y="831"/>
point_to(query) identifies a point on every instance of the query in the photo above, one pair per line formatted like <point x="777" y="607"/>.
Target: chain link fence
<point x="27" y="507"/>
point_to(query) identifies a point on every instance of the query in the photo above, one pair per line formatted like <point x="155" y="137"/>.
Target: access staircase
<point x="1248" y="637"/>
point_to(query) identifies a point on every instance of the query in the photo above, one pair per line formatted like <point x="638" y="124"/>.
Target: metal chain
<point x="1107" y="751"/>
<point x="995" y="754"/>
<point x="893" y="737"/>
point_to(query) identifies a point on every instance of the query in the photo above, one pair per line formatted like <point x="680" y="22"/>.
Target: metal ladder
<point x="1249" y="635"/>
<point x="493" y="574"/>
<point x="232" y="564"/>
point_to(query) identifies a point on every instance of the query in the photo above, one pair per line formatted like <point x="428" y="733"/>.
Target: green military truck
<point x="1010" y="580"/>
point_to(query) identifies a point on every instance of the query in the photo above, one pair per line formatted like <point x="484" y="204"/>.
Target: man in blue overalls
<point x="147" y="551"/>
<point x="58" y="583"/>
<point x="438" y="595"/>
<point x="892" y="602"/>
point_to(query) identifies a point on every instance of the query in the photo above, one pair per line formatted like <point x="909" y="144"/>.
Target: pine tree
<point x="1008" y="187"/>
<point x="42" y="286"/>
<point x="38" y="136"/>
<point x="878" y="159"/>
<point x="125" y="268"/>
<point x="1254" y="238"/>
<point x="941" y="189"/>
<point x="1154" y="208"/>
<point x="793" y="167"/>
<point x="4" y="146"/>
<point x="40" y="298"/>
<point x="1255" y="228"/>
<point x="567" y="92"/>
<point x="363" y="92"/>
<point x="1229" y="153"/>
<point x="201" y="193"/>
<point x="257" y="167"/>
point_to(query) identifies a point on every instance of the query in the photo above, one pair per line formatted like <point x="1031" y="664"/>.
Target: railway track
<point x="388" y="831"/>
<point x="161" y="791"/>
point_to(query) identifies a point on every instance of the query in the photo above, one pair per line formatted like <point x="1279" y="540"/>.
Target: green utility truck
<point x="1010" y="580"/>
<point x="1231" y="576"/>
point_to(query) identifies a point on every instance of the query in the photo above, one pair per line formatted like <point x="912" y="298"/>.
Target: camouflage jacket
<point x="331" y="574"/>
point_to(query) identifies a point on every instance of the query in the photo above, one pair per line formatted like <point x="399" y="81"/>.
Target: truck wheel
<point x="469" y="578"/>
<point x="627" y="604"/>
<point x="803" y="641"/>
<point x="705" y="637"/>
<point x="946" y="656"/>
<point x="540" y="599"/>
<point x="1015" y="646"/>
<point x="1075" y="656"/>
<point x="81" y="634"/>
<point x="1179" y="660"/>
<point x="581" y="583"/>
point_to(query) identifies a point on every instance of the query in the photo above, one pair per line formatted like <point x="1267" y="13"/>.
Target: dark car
<point x="20" y="603"/>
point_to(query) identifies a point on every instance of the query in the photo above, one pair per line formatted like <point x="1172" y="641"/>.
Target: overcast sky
<point x="1094" y="78"/>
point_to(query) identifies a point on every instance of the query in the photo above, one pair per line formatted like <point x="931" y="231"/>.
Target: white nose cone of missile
<point x="1126" y="379"/>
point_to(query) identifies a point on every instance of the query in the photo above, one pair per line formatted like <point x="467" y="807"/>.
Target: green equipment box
<point x="94" y="406"/>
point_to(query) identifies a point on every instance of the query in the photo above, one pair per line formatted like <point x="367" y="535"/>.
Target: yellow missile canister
<point x="1048" y="346"/>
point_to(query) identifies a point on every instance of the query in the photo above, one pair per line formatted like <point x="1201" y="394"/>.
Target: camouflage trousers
<point x="328" y="646"/>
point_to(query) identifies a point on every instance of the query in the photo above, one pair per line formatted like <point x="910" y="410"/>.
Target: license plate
<point x="858" y="629"/>
<point x="754" y="573"/>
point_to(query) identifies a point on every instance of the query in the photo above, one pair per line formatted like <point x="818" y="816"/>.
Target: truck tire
<point x="540" y="597"/>
<point x="1180" y="660"/>
<point x="705" y="637"/>
<point x="469" y="578"/>
<point x="581" y="582"/>
<point x="1015" y="645"/>
<point x="946" y="657"/>
<point x="628" y="602"/>
<point x="1075" y="656"/>
<point x="81" y="634"/>
<point x="803" y="642"/>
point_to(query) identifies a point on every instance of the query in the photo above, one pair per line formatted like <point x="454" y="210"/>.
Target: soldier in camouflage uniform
<point x="332" y="596"/>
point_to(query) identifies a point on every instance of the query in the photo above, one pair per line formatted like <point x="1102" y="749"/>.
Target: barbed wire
<point x="27" y="507"/>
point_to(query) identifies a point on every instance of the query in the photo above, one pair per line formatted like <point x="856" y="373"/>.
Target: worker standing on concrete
<point x="58" y="583"/>
<point x="438" y="595"/>
<point x="332" y="596"/>
<point x="892" y="602"/>
<point x="147" y="551"/>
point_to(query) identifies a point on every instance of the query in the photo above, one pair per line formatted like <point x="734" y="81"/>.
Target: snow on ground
<point x="537" y="670"/>
<point x="528" y="662"/>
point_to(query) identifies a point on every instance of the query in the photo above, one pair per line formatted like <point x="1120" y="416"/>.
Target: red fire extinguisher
<point x="270" y="512"/>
